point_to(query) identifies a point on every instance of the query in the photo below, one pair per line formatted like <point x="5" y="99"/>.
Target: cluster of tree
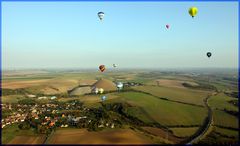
<point x="27" y="101"/>
<point x="234" y="113"/>
<point x="232" y="94"/>
<point x="21" y="91"/>
<point x="215" y="139"/>
<point x="201" y="86"/>
<point x="234" y="102"/>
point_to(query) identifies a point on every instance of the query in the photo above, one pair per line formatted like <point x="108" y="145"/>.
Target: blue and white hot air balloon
<point x="100" y="15"/>
<point x="103" y="98"/>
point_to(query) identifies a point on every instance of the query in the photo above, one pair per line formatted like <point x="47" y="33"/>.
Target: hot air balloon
<point x="193" y="11"/>
<point x="209" y="54"/>
<point x="102" y="68"/>
<point x="100" y="15"/>
<point x="114" y="65"/>
<point x="167" y="26"/>
<point x="96" y="90"/>
<point x="119" y="85"/>
<point x="103" y="98"/>
<point x="101" y="90"/>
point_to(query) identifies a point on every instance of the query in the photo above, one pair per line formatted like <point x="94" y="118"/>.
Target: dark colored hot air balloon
<point x="167" y="26"/>
<point x="100" y="15"/>
<point x="102" y="68"/>
<point x="209" y="54"/>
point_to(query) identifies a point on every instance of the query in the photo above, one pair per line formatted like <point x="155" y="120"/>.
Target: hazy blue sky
<point x="132" y="34"/>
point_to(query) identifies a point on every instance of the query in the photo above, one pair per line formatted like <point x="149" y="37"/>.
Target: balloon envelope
<point x="119" y="85"/>
<point x="100" y="15"/>
<point x="103" y="98"/>
<point x="209" y="54"/>
<point x="193" y="11"/>
<point x="102" y="68"/>
<point x="100" y="90"/>
<point x="167" y="26"/>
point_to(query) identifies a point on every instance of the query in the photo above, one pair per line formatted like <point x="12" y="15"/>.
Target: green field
<point x="163" y="111"/>
<point x="177" y="94"/>
<point x="222" y="118"/>
<point x="184" y="132"/>
<point x="11" y="131"/>
<point x="228" y="132"/>
<point x="220" y="101"/>
<point x="12" y="98"/>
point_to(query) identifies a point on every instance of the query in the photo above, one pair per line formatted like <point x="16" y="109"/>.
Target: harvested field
<point x="82" y="136"/>
<point x="161" y="133"/>
<point x="173" y="83"/>
<point x="28" y="140"/>
<point x="22" y="84"/>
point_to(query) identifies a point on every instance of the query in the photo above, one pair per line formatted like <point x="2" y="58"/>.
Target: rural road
<point x="205" y="127"/>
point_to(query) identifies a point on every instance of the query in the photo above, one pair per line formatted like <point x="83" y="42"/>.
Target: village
<point x="30" y="113"/>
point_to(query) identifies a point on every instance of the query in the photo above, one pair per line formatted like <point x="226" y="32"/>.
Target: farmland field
<point x="220" y="101"/>
<point x="160" y="102"/>
<point x="82" y="136"/>
<point x="163" y="111"/>
<point x="184" y="132"/>
<point x="224" y="119"/>
<point x="177" y="94"/>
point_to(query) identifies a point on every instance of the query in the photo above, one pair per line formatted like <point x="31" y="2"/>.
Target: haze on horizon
<point x="132" y="35"/>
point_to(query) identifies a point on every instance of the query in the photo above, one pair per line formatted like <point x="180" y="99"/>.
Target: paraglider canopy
<point x="102" y="68"/>
<point x="193" y="11"/>
<point x="100" y="15"/>
<point x="209" y="54"/>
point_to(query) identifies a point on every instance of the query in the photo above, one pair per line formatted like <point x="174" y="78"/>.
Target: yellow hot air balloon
<point x="193" y="11"/>
<point x="101" y="90"/>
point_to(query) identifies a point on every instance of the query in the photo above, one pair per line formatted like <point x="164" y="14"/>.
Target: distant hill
<point x="107" y="85"/>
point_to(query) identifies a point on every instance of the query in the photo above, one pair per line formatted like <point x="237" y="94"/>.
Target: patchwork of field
<point x="220" y="101"/>
<point x="162" y="111"/>
<point x="82" y="136"/>
<point x="182" y="107"/>
<point x="177" y="94"/>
